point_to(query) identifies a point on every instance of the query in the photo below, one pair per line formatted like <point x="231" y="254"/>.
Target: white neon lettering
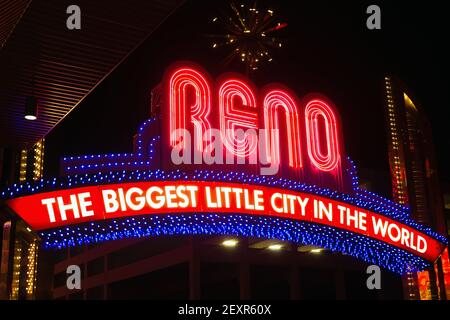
<point x="51" y="212"/>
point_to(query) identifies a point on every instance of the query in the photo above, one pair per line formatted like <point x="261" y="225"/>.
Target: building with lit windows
<point x="415" y="180"/>
<point x="20" y="245"/>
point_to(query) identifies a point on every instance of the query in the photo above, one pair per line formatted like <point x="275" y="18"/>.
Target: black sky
<point x="327" y="49"/>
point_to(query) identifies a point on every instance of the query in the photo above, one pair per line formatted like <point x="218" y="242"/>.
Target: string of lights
<point x="23" y="165"/>
<point x="141" y="159"/>
<point x="400" y="194"/>
<point x="304" y="233"/>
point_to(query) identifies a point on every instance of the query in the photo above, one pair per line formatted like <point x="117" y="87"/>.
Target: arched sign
<point x="222" y="158"/>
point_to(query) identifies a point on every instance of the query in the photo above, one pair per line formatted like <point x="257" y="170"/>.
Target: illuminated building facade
<point x="222" y="251"/>
<point x="223" y="267"/>
<point x="415" y="181"/>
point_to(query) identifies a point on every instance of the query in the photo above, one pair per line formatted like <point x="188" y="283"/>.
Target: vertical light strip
<point x="16" y="270"/>
<point x="397" y="167"/>
<point x="23" y="166"/>
<point x="31" y="269"/>
<point x="399" y="187"/>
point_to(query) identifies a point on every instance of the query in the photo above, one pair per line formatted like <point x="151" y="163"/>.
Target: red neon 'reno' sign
<point x="314" y="124"/>
<point x="232" y="118"/>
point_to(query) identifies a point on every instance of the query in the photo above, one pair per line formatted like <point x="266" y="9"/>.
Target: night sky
<point x="327" y="49"/>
